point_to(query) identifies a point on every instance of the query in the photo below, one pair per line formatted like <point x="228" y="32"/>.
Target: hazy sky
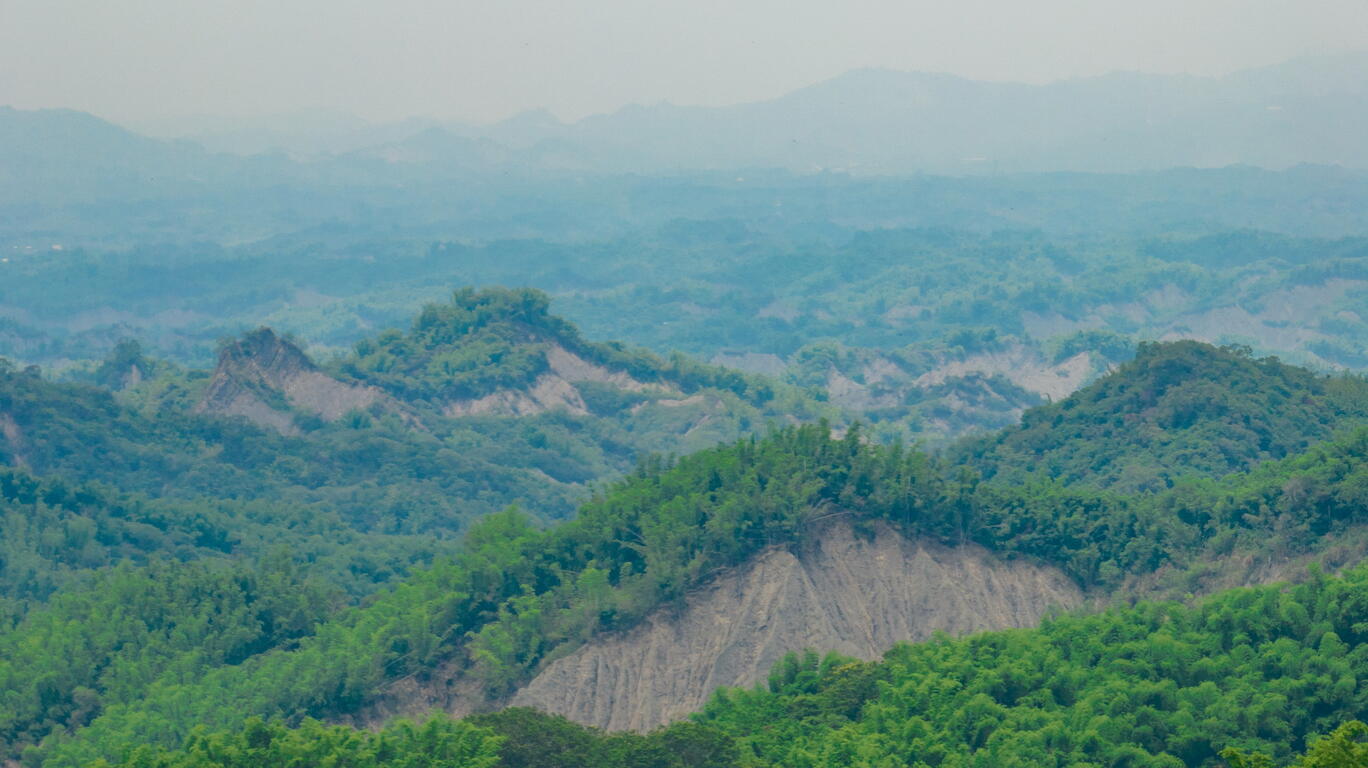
<point x="138" y="60"/>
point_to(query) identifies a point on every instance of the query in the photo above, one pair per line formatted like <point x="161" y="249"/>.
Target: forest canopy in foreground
<point x="228" y="636"/>
<point x="516" y="595"/>
<point x="1158" y="685"/>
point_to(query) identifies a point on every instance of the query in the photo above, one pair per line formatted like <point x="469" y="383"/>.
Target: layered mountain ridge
<point x="886" y="121"/>
<point x="497" y="354"/>
<point x="864" y="122"/>
<point x="900" y="421"/>
<point x="700" y="571"/>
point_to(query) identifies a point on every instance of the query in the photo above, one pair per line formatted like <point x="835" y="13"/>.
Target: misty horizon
<point x="683" y="383"/>
<point x="337" y="114"/>
<point x="468" y="63"/>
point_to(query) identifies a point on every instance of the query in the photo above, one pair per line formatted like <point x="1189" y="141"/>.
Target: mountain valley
<point x="901" y="420"/>
<point x="790" y="541"/>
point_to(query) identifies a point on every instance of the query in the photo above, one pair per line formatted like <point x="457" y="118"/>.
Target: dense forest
<point x="514" y="594"/>
<point x="1181" y="408"/>
<point x="131" y="467"/>
<point x="1245" y="679"/>
<point x="681" y="436"/>
<point x="1154" y="685"/>
<point x="221" y="566"/>
<point x="481" y="341"/>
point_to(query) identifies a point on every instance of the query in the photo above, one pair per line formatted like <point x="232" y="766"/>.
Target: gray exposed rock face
<point x="14" y="439"/>
<point x="261" y="375"/>
<point x="553" y="390"/>
<point x="841" y="592"/>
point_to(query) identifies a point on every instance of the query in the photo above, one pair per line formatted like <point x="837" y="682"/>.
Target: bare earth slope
<point x="262" y="367"/>
<point x="553" y="390"/>
<point x="842" y="592"/>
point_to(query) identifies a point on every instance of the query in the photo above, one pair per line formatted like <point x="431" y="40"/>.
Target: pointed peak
<point x="265" y="349"/>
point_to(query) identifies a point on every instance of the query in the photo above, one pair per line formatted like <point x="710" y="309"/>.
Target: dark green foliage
<point x="512" y="738"/>
<point x="516" y="595"/>
<point x="498" y="338"/>
<point x="1110" y="345"/>
<point x="376" y="471"/>
<point x="380" y="474"/>
<point x="605" y="399"/>
<point x="107" y="638"/>
<point x="1155" y="685"/>
<point x="141" y="475"/>
<point x="1098" y="536"/>
<point x="532" y="739"/>
<point x="1181" y="408"/>
<point x="465" y="349"/>
<point x="124" y="367"/>
<point x="1345" y="747"/>
<point x="368" y="473"/>
<point x="53" y="531"/>
<point x="438" y="743"/>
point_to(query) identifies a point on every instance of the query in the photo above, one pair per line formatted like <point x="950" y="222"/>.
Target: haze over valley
<point x="567" y="387"/>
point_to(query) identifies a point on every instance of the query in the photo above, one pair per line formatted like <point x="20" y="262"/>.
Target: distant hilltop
<point x="865" y="122"/>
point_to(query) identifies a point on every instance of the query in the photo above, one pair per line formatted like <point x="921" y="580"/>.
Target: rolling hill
<point x="762" y="529"/>
<point x="362" y="467"/>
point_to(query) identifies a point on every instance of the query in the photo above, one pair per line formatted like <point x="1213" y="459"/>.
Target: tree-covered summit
<point x="515" y="596"/>
<point x="1179" y="408"/>
<point x="1246" y="679"/>
<point x="467" y="347"/>
<point x="485" y="340"/>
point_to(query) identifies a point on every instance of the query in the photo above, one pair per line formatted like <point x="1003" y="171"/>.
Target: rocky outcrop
<point x="548" y="393"/>
<point x="263" y="378"/>
<point x="957" y="392"/>
<point x="1022" y="367"/>
<point x="553" y="390"/>
<point x="848" y="393"/>
<point x="132" y="377"/>
<point x="572" y="367"/>
<point x="844" y="592"/>
<point x="14" y="439"/>
<point x="763" y="363"/>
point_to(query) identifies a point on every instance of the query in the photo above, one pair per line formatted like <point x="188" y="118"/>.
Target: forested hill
<point x="486" y="343"/>
<point x="1179" y="408"/>
<point x="362" y="471"/>
<point x="927" y="331"/>
<point x="1127" y="683"/>
<point x="192" y="504"/>
<point x="487" y="401"/>
<point x="497" y="353"/>
<point x="516" y="597"/>
<point x="1157" y="685"/>
<point x="1248" y="679"/>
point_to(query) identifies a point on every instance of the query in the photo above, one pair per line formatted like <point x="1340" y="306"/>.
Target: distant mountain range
<point x="1312" y="110"/>
<point x="1309" y="110"/>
